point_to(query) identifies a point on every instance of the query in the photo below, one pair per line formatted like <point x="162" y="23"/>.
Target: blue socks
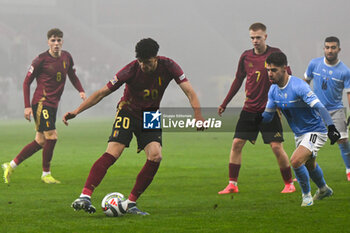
<point x="345" y="153"/>
<point x="303" y="178"/>
<point x="317" y="176"/>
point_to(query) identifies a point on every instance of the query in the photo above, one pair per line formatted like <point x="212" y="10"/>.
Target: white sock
<point x="13" y="164"/>
<point x="84" y="195"/>
<point x="347" y="170"/>
<point x="233" y="182"/>
<point x="45" y="173"/>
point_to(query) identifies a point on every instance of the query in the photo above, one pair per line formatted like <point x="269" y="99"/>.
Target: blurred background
<point x="205" y="37"/>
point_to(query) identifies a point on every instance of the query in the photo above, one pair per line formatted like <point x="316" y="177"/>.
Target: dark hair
<point x="257" y="26"/>
<point x="278" y="59"/>
<point x="332" y="39"/>
<point x="146" y="48"/>
<point x="54" y="32"/>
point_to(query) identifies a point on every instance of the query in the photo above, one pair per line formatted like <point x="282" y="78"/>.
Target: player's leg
<point x="25" y="153"/>
<point x="119" y="139"/>
<point x="298" y="159"/>
<point x="234" y="166"/>
<point x="96" y="174"/>
<point x="339" y="120"/>
<point x="344" y="146"/>
<point x="316" y="174"/>
<point x="314" y="142"/>
<point x="272" y="134"/>
<point x="46" y="120"/>
<point x="151" y="143"/>
<point x="246" y="129"/>
<point x="49" y="146"/>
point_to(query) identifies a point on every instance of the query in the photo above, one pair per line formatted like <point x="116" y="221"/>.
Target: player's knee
<point x="276" y="146"/>
<point x="40" y="141"/>
<point x="237" y="145"/>
<point x="155" y="157"/>
<point x="295" y="162"/>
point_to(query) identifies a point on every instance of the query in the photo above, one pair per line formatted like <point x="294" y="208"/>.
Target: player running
<point x="50" y="70"/>
<point x="252" y="67"/>
<point x="302" y="109"/>
<point x="145" y="81"/>
<point x="331" y="76"/>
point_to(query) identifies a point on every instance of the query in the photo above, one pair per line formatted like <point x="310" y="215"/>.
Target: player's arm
<point x="96" y="97"/>
<point x="270" y="109"/>
<point x="28" y="112"/>
<point x="76" y="83"/>
<point x="192" y="97"/>
<point x="308" y="75"/>
<point x="236" y="85"/>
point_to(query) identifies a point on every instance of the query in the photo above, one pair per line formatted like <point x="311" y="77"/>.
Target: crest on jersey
<point x="114" y="80"/>
<point x="250" y="65"/>
<point x="331" y="72"/>
<point x="64" y="64"/>
<point x="285" y="95"/>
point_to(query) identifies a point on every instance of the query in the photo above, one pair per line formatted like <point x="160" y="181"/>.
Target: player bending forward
<point x="145" y="81"/>
<point x="302" y="108"/>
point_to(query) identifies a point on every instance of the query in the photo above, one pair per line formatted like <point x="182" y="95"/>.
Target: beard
<point x="332" y="58"/>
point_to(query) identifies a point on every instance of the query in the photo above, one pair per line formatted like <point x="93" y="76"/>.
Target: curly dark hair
<point x="278" y="59"/>
<point x="146" y="48"/>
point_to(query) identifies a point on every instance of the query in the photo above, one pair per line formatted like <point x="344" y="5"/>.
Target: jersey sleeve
<point x="347" y="81"/>
<point x="176" y="72"/>
<point x="73" y="77"/>
<point x="237" y="83"/>
<point x="123" y="76"/>
<point x="308" y="75"/>
<point x="308" y="96"/>
<point x="31" y="74"/>
<point x="271" y="106"/>
<point x="241" y="72"/>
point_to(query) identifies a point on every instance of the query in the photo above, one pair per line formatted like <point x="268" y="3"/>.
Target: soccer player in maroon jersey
<point x="49" y="69"/>
<point x="145" y="81"/>
<point x="252" y="67"/>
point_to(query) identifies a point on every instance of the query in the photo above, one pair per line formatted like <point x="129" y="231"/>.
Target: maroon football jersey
<point x="257" y="85"/>
<point x="145" y="90"/>
<point x="50" y="74"/>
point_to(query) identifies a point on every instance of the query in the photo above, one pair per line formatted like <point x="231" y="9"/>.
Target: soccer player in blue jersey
<point x="302" y="109"/>
<point x="331" y="77"/>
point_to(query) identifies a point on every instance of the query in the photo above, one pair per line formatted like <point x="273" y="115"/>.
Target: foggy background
<point x="205" y="37"/>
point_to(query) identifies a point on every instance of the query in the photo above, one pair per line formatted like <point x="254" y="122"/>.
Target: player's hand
<point x="67" y="116"/>
<point x="333" y="134"/>
<point x="28" y="112"/>
<point x="201" y="119"/>
<point x="82" y="95"/>
<point x="221" y="110"/>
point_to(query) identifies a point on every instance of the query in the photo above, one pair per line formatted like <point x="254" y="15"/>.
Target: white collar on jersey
<point x="281" y="88"/>
<point x="324" y="61"/>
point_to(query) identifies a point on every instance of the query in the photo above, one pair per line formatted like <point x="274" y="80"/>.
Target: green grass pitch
<point x="183" y="196"/>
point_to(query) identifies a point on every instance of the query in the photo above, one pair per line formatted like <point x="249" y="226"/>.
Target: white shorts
<point x="313" y="141"/>
<point x="339" y="120"/>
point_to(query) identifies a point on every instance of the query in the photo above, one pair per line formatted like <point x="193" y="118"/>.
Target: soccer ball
<point x="112" y="204"/>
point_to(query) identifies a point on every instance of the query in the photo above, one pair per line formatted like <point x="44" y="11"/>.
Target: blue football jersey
<point x="295" y="100"/>
<point x="329" y="82"/>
